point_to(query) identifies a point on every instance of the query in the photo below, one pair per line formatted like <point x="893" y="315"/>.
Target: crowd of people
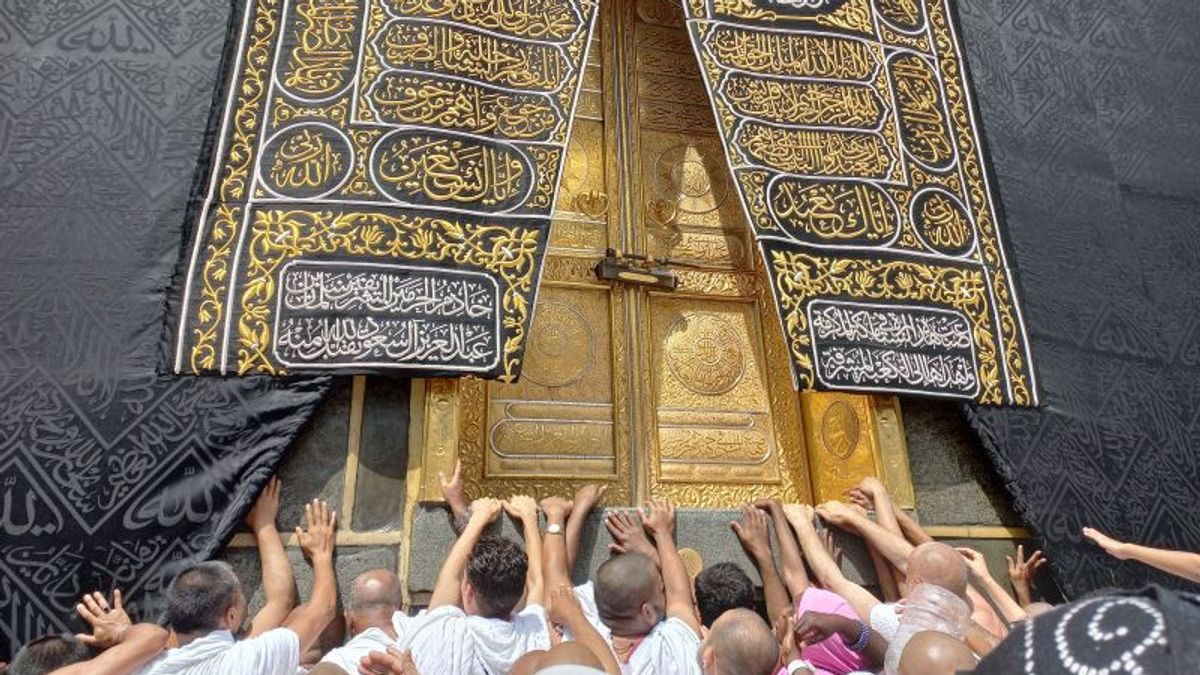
<point x="503" y="606"/>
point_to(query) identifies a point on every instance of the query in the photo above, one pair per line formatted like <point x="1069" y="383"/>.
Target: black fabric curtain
<point x="1092" y="114"/>
<point x="110" y="475"/>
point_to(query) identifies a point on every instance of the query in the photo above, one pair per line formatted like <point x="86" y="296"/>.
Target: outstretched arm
<point x="137" y="646"/>
<point x="279" y="585"/>
<point x="794" y="575"/>
<point x="824" y="566"/>
<point x="565" y="610"/>
<point x="317" y="542"/>
<point x="454" y="492"/>
<point x="554" y="546"/>
<point x="753" y="536"/>
<point x="983" y="577"/>
<point x="893" y="546"/>
<point x="1021" y="571"/>
<point x="1179" y="563"/>
<point x="586" y="499"/>
<point x="524" y="509"/>
<point x="660" y="521"/>
<point x="448" y="589"/>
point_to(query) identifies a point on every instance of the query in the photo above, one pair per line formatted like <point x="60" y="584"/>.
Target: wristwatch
<point x="554" y="528"/>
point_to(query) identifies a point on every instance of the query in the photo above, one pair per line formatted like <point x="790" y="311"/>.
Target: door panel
<point x="684" y="394"/>
<point x="558" y="419"/>
<point x="724" y="425"/>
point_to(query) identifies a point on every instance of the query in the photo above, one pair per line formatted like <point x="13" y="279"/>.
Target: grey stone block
<point x="955" y="483"/>
<point x="351" y="561"/>
<point x="704" y="530"/>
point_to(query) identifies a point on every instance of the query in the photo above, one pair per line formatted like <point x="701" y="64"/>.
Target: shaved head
<point x="625" y="585"/>
<point x="938" y="564"/>
<point x="935" y="653"/>
<point x="740" y="643"/>
<point x="375" y="595"/>
<point x="375" y="590"/>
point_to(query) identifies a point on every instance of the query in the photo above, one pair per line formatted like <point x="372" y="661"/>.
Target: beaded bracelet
<point x="864" y="638"/>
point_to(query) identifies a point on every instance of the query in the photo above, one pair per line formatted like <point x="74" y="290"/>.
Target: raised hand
<point x="752" y="532"/>
<point x="975" y="562"/>
<point x="588" y="496"/>
<point x="1021" y="571"/>
<point x="266" y="507"/>
<point x="836" y="512"/>
<point x="453" y="490"/>
<point x="557" y="508"/>
<point x="391" y="662"/>
<point x="485" y="510"/>
<point x="769" y="504"/>
<point x="1116" y="549"/>
<point x="109" y="622"/>
<point x="629" y="534"/>
<point x="659" y="518"/>
<point x="798" y="513"/>
<point x="522" y="507"/>
<point x="316" y="539"/>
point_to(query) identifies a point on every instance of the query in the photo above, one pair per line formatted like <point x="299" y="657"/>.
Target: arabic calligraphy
<point x="455" y="50"/>
<point x="804" y="102"/>
<point x="875" y="368"/>
<point x="791" y="53"/>
<point x="426" y="100"/>
<point x="427" y="167"/>
<point x="943" y="223"/>
<point x="908" y="327"/>
<point x="813" y="152"/>
<point x="843" y="143"/>
<point x="337" y="113"/>
<point x="364" y="313"/>
<point x="321" y="62"/>
<point x="825" y="211"/>
<point x="306" y="160"/>
<point x="370" y="340"/>
<point x="397" y="291"/>
<point x="919" y="103"/>
<point x="906" y="15"/>
<point x="546" y="19"/>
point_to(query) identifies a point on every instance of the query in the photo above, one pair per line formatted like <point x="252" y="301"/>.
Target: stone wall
<point x="955" y="486"/>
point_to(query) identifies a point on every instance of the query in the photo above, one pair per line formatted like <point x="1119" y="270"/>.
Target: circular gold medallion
<point x="839" y="429"/>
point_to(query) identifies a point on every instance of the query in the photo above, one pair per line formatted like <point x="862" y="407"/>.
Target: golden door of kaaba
<point x="683" y="393"/>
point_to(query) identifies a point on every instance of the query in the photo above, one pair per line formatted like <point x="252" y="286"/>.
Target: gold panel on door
<point x="721" y="433"/>
<point x="683" y="394"/>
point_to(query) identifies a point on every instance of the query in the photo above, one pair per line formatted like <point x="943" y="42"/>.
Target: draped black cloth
<point x="110" y="475"/>
<point x="1091" y="110"/>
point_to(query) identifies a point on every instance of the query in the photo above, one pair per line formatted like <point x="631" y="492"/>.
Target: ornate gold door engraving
<point x="685" y="394"/>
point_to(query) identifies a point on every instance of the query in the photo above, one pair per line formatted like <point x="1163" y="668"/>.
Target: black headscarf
<point x="1154" y="631"/>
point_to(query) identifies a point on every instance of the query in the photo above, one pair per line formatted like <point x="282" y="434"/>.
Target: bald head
<point x="626" y="586"/>
<point x="564" y="657"/>
<point x="934" y="653"/>
<point x="375" y="595"/>
<point x="938" y="564"/>
<point x="740" y="643"/>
